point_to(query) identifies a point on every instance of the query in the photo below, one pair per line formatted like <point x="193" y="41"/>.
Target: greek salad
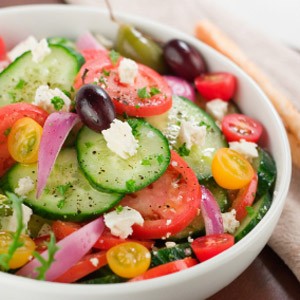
<point x="122" y="161"/>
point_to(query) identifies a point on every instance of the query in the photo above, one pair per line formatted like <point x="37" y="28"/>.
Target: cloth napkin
<point x="278" y="62"/>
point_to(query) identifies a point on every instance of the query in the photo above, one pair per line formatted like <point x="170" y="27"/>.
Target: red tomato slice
<point x="88" y="264"/>
<point x="62" y="229"/>
<point x="238" y="126"/>
<point x="40" y="243"/>
<point x="9" y="114"/>
<point x="208" y="246"/>
<point x="168" y="268"/>
<point x="125" y="97"/>
<point x="92" y="54"/>
<point x="244" y="198"/>
<point x="2" y="49"/>
<point x="216" y="85"/>
<point x="169" y="204"/>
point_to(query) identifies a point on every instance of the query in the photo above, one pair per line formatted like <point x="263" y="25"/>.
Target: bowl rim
<point x="200" y="269"/>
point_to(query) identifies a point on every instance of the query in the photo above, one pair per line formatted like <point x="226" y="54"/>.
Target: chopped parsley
<point x="160" y="159"/>
<point x="146" y="162"/>
<point x="114" y="56"/>
<point x="154" y="91"/>
<point x="183" y="150"/>
<point x="62" y="189"/>
<point x="119" y="209"/>
<point x="67" y="93"/>
<point x="137" y="106"/>
<point x="58" y="103"/>
<point x="250" y="210"/>
<point x="20" y="84"/>
<point x="143" y="94"/>
<point x="61" y="203"/>
<point x="7" y="131"/>
<point x="130" y="185"/>
<point x="105" y="72"/>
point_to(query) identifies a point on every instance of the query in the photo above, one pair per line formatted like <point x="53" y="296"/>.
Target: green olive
<point x="133" y="44"/>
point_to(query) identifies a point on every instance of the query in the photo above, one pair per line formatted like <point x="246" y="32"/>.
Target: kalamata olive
<point x="94" y="107"/>
<point x="184" y="60"/>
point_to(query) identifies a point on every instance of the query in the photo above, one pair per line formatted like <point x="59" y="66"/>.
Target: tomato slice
<point x="244" y="198"/>
<point x="62" y="229"/>
<point x="208" y="246"/>
<point x="9" y="114"/>
<point x="216" y="85"/>
<point x="92" y="54"/>
<point x="41" y="243"/>
<point x="88" y="264"/>
<point x="2" y="49"/>
<point x="156" y="98"/>
<point x="238" y="126"/>
<point x="169" y="204"/>
<point x="168" y="268"/>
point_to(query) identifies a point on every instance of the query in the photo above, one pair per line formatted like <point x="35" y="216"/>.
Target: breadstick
<point x="211" y="35"/>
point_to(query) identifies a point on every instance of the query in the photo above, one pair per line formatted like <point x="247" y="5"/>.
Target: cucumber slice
<point x="20" y="80"/>
<point x="68" y="195"/>
<point x="260" y="208"/>
<point x="107" y="171"/>
<point x="199" y="157"/>
<point x="266" y="171"/>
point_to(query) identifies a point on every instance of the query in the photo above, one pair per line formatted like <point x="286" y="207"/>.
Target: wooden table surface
<point x="266" y="278"/>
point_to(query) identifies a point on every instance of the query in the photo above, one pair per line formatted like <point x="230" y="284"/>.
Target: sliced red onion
<point x="71" y="250"/>
<point x="181" y="87"/>
<point x="88" y="41"/>
<point x="56" y="129"/>
<point x="211" y="213"/>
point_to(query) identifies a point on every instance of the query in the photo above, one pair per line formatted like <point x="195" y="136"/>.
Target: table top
<point x="266" y="278"/>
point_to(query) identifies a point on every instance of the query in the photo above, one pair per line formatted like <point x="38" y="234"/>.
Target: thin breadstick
<point x="211" y="35"/>
<point x="295" y="149"/>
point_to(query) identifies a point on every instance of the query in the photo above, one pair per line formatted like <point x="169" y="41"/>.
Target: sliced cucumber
<point x="107" y="171"/>
<point x="20" y="80"/>
<point x="266" y="170"/>
<point x="68" y="195"/>
<point x="199" y="157"/>
<point x="260" y="208"/>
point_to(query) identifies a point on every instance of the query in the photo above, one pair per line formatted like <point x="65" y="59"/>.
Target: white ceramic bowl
<point x="206" y="278"/>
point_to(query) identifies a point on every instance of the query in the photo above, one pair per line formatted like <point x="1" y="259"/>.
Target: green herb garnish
<point x="57" y="102"/>
<point x="250" y="210"/>
<point x="160" y="159"/>
<point x="183" y="150"/>
<point x="154" y="91"/>
<point x="146" y="162"/>
<point x="114" y="56"/>
<point x="7" y="131"/>
<point x="119" y="209"/>
<point x="62" y="189"/>
<point x="105" y="72"/>
<point x="20" y="84"/>
<point x="143" y="94"/>
<point x="130" y="185"/>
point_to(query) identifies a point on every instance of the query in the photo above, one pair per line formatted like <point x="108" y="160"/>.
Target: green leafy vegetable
<point x="57" y="102"/>
<point x="183" y="150"/>
<point x="119" y="209"/>
<point x="114" y="56"/>
<point x="143" y="94"/>
<point x="154" y="91"/>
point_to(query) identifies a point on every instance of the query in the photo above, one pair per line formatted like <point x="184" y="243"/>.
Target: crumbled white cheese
<point x="128" y="71"/>
<point x="45" y="230"/>
<point x="25" y="185"/>
<point x="44" y="96"/>
<point x="190" y="239"/>
<point x="191" y="134"/>
<point x="174" y="163"/>
<point x="217" y="109"/>
<point x="22" y="47"/>
<point x="170" y="244"/>
<point x="120" y="140"/>
<point x="230" y="223"/>
<point x="246" y="149"/>
<point x="94" y="261"/>
<point x="168" y="222"/>
<point x="120" y="222"/>
<point x="10" y="223"/>
<point x="40" y="51"/>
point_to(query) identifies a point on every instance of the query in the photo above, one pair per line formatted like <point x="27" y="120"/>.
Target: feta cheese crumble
<point x="94" y="261"/>
<point x="170" y="244"/>
<point x="246" y="149"/>
<point x="120" y="140"/>
<point x="128" y="71"/>
<point x="230" y="223"/>
<point x="191" y="134"/>
<point x="22" y="47"/>
<point x="217" y="109"/>
<point x="25" y="185"/>
<point x="46" y="99"/>
<point x="40" y="51"/>
<point x="120" y="222"/>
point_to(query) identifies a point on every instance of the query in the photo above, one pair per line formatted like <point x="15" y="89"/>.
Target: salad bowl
<point x="202" y="280"/>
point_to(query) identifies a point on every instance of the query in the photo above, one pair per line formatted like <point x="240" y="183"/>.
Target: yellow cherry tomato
<point x="231" y="170"/>
<point x="24" y="140"/>
<point x="22" y="254"/>
<point x="128" y="259"/>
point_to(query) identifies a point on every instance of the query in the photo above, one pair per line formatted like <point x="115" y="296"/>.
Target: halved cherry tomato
<point x="157" y="96"/>
<point x="88" y="264"/>
<point x="208" y="246"/>
<point x="22" y="254"/>
<point x="168" y="268"/>
<point x="129" y="259"/>
<point x="2" y="49"/>
<point x="244" y="198"/>
<point x="24" y="140"/>
<point x="238" y="126"/>
<point x="216" y="85"/>
<point x="9" y="114"/>
<point x="169" y="204"/>
<point x="231" y="170"/>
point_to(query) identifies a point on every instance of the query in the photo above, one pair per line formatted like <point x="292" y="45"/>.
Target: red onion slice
<point x="56" y="129"/>
<point x="88" y="41"/>
<point x="181" y="87"/>
<point x="71" y="250"/>
<point x="211" y="213"/>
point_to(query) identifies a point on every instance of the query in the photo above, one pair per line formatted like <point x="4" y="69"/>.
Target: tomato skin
<point x="168" y="268"/>
<point x="2" y="49"/>
<point x="231" y="170"/>
<point x="158" y="203"/>
<point x="88" y="264"/>
<point x="62" y="229"/>
<point x="208" y="246"/>
<point x="238" y="126"/>
<point x="9" y="114"/>
<point x="41" y="243"/>
<point x="216" y="85"/>
<point x="92" y="54"/>
<point x="244" y="198"/>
